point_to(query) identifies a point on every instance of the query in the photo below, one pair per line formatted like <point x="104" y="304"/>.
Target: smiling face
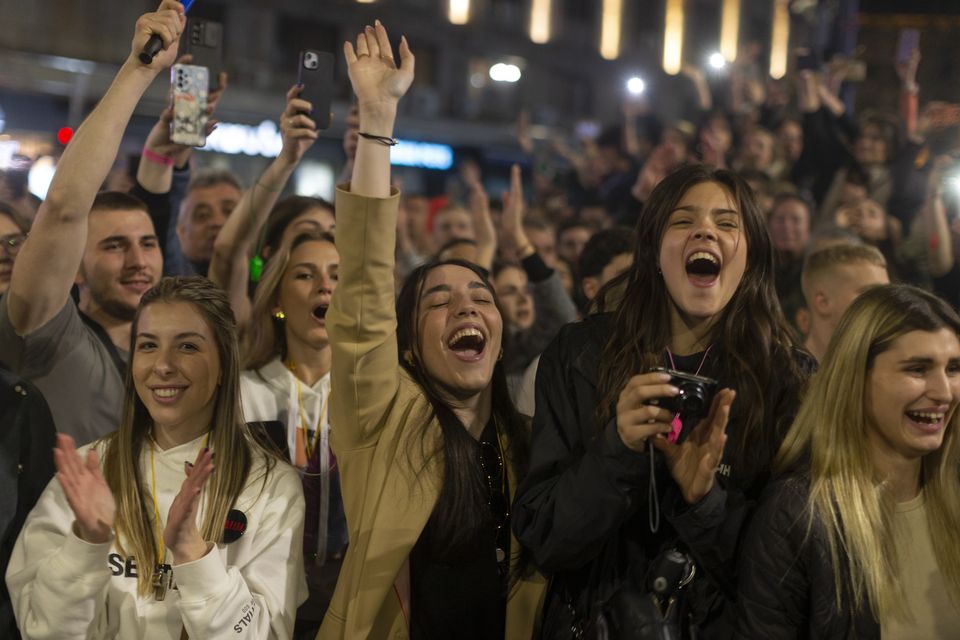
<point x="176" y="366"/>
<point x="121" y="262"/>
<point x="912" y="392"/>
<point x="305" y="291"/>
<point x="703" y="253"/>
<point x="459" y="330"/>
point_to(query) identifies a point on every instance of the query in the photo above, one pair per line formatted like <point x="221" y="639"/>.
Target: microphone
<point x="155" y="43"/>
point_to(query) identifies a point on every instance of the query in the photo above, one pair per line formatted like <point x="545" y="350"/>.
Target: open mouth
<point x="167" y="395"/>
<point x="320" y="311"/>
<point x="467" y="344"/>
<point x="702" y="268"/>
<point x="926" y="418"/>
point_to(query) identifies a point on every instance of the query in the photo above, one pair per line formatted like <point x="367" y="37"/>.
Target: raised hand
<point x="168" y="22"/>
<point x="181" y="535"/>
<point x="693" y="463"/>
<point x="86" y="491"/>
<point x="376" y="79"/>
<point x="298" y="129"/>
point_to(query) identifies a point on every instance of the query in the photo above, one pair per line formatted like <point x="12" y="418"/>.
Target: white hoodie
<point x="64" y="588"/>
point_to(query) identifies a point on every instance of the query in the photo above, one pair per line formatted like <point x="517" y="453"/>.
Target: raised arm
<point x="362" y="320"/>
<point x="235" y="240"/>
<point x="49" y="260"/>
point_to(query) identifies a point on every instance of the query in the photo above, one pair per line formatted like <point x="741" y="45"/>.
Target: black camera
<point x="695" y="397"/>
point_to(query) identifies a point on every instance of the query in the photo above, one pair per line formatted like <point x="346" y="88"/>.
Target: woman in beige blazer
<point x="429" y="447"/>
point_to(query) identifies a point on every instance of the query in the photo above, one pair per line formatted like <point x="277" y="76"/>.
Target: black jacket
<point x="26" y="466"/>
<point x="787" y="588"/>
<point x="583" y="509"/>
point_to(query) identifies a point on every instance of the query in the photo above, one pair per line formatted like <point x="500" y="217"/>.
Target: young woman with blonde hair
<point x="187" y="526"/>
<point x="858" y="539"/>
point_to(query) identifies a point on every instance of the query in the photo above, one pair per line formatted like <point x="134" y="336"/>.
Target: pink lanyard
<point x="677" y="423"/>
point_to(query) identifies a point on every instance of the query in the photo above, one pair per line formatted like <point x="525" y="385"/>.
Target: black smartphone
<point x="205" y="44"/>
<point x="315" y="73"/>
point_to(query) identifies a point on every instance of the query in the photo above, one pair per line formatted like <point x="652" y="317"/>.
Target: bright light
<point x="315" y="179"/>
<point x="365" y="1"/>
<point x="540" y="21"/>
<point x="636" y="85"/>
<point x="780" y="39"/>
<point x="234" y="139"/>
<point x="503" y="72"/>
<point x="8" y="149"/>
<point x="673" y="37"/>
<point x="459" y="11"/>
<point x="717" y="61"/>
<point x="610" y="29"/>
<point x="954" y="183"/>
<point x="40" y="176"/>
<point x="426" y="155"/>
<point x="730" y="29"/>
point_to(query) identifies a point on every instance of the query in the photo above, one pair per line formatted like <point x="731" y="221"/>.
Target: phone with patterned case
<point x="190" y="86"/>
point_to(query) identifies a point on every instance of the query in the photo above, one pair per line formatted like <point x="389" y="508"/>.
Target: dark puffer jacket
<point x="787" y="587"/>
<point x="583" y="509"/>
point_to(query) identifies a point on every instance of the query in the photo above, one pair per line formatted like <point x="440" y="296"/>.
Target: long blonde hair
<point x="847" y="498"/>
<point x="229" y="435"/>
<point x="265" y="337"/>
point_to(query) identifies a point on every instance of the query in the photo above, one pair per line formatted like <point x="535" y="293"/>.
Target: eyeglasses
<point x="12" y="242"/>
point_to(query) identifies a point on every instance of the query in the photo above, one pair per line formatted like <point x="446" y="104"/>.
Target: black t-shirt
<point x="462" y="595"/>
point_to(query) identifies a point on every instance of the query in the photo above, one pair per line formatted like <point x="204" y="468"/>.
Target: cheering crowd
<point x="680" y="380"/>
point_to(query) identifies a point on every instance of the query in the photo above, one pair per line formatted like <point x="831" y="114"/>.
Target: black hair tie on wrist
<point x="384" y="140"/>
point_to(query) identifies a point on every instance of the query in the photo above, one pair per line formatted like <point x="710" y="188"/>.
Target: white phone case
<point x="190" y="86"/>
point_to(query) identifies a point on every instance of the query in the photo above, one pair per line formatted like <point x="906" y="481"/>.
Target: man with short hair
<point x="106" y="244"/>
<point x="832" y="279"/>
<point x="212" y="195"/>
<point x="606" y="255"/>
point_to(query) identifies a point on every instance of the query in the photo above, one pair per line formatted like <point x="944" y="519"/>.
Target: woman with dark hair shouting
<point x="429" y="446"/>
<point x="858" y="539"/>
<point x="616" y="443"/>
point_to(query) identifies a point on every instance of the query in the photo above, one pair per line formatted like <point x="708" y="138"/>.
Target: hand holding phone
<point x="298" y="129"/>
<point x="315" y="77"/>
<point x="190" y="91"/>
<point x="907" y="43"/>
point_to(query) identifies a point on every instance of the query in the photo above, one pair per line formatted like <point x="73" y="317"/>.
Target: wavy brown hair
<point x="752" y="341"/>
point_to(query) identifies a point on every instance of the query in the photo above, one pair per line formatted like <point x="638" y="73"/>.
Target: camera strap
<point x="677" y="423"/>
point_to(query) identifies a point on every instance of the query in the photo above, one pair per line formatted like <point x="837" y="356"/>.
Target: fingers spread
<point x="372" y="42"/>
<point x="348" y="52"/>
<point x="383" y="42"/>
<point x="362" y="48"/>
<point x="406" y="56"/>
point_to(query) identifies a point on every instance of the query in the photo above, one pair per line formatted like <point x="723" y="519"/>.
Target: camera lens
<point x="693" y="399"/>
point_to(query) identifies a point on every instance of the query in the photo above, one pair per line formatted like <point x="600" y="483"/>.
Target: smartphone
<point x="205" y="44"/>
<point x="315" y="73"/>
<point x="908" y="40"/>
<point x="190" y="87"/>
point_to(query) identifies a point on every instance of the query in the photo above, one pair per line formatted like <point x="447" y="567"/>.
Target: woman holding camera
<point x="615" y="445"/>
<point x="859" y="539"/>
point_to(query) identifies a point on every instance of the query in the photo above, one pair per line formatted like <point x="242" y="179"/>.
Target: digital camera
<point x="695" y="397"/>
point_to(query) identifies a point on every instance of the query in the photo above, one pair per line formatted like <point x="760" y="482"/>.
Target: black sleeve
<point x="164" y="207"/>
<point x="774" y="582"/>
<point x="712" y="529"/>
<point x="575" y="493"/>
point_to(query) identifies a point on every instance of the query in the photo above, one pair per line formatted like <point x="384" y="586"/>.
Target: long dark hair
<point x="752" y="341"/>
<point x="462" y="507"/>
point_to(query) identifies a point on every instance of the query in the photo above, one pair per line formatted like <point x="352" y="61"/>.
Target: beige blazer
<point x="376" y="412"/>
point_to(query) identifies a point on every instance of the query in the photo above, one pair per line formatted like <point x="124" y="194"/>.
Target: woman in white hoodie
<point x="187" y="527"/>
